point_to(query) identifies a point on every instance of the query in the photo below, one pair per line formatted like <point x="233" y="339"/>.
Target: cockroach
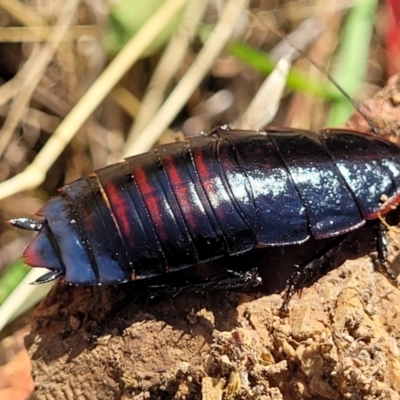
<point x="212" y="196"/>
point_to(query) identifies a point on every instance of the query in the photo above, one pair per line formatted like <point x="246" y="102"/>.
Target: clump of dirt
<point x="339" y="341"/>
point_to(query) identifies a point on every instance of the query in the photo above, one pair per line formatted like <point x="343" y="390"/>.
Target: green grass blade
<point x="12" y="277"/>
<point x="353" y="56"/>
<point x="297" y="81"/>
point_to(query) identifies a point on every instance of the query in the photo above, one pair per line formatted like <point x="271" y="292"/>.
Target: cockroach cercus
<point x="213" y="196"/>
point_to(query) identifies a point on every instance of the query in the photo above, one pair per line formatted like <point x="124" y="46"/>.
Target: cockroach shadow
<point x="71" y="317"/>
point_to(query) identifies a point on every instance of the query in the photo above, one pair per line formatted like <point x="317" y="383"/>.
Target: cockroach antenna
<point x="367" y="118"/>
<point x="323" y="70"/>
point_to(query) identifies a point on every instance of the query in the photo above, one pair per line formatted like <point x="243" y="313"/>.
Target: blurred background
<point x="53" y="54"/>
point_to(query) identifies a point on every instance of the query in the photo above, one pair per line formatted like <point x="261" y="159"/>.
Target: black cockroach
<point x="212" y="196"/>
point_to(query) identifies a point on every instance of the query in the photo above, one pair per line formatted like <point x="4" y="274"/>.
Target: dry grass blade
<point x="21" y="13"/>
<point x="41" y="33"/>
<point x="169" y="64"/>
<point x="221" y="34"/>
<point x="126" y="100"/>
<point x="266" y="102"/>
<point x="41" y="61"/>
<point x="35" y="173"/>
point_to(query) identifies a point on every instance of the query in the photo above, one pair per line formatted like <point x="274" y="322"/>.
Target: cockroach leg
<point x="310" y="270"/>
<point x="235" y="280"/>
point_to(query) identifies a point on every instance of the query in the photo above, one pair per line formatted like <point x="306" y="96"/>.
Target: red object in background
<point x="15" y="378"/>
<point x="393" y="36"/>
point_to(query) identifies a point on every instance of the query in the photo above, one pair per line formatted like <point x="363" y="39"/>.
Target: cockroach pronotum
<point x="212" y="196"/>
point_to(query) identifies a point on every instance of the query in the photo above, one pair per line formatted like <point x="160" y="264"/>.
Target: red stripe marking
<point x="210" y="186"/>
<point x="204" y="174"/>
<point x="120" y="205"/>
<point x="180" y="189"/>
<point x="151" y="198"/>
